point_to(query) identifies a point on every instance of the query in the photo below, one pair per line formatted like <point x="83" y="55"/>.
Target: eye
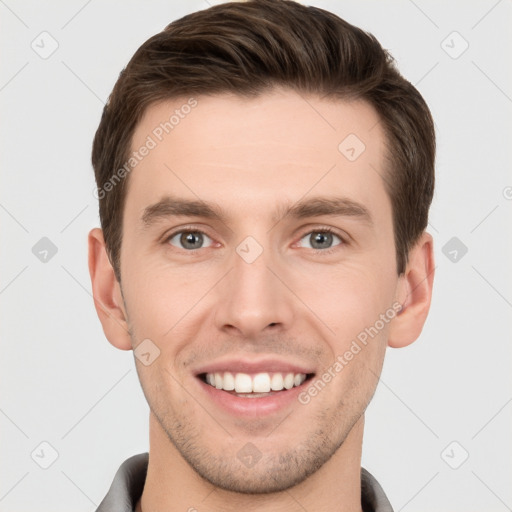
<point x="190" y="240"/>
<point x="320" y="240"/>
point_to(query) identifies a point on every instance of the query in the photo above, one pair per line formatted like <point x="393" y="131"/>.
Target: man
<point x="264" y="175"/>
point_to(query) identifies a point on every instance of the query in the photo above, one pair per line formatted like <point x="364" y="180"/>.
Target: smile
<point x="271" y="383"/>
<point x="255" y="385"/>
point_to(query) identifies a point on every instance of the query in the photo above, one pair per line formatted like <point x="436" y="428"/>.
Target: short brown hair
<point x="247" y="48"/>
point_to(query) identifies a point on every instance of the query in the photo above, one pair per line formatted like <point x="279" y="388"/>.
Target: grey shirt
<point x="126" y="489"/>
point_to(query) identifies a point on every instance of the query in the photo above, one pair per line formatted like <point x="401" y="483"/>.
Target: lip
<point x="253" y="366"/>
<point x="252" y="407"/>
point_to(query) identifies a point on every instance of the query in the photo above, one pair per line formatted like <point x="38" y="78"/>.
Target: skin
<point x="253" y="158"/>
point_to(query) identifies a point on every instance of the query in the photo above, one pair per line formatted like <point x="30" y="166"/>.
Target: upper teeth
<point x="259" y="383"/>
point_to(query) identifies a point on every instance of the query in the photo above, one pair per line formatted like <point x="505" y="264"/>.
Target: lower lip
<point x="259" y="406"/>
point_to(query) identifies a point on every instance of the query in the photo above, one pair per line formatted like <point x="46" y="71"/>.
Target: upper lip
<point x="253" y="365"/>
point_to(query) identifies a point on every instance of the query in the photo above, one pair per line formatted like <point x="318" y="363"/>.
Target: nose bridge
<point x="252" y="298"/>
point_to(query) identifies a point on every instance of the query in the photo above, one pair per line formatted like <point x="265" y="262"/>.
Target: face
<point x="258" y="258"/>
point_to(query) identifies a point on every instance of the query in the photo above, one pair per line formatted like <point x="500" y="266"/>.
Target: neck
<point x="173" y="485"/>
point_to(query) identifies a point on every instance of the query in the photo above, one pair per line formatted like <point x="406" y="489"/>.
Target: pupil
<point x="191" y="240"/>
<point x="321" y="240"/>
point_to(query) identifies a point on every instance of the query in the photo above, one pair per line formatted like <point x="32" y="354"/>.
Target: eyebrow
<point x="313" y="207"/>
<point x="334" y="206"/>
<point x="173" y="207"/>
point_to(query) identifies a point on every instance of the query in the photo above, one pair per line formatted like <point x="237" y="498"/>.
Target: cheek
<point x="164" y="393"/>
<point x="347" y="299"/>
<point x="160" y="297"/>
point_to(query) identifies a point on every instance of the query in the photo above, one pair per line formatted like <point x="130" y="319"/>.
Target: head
<point x="264" y="175"/>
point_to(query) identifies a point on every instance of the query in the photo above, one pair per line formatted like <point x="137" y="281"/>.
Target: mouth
<point x="250" y="388"/>
<point x="255" y="385"/>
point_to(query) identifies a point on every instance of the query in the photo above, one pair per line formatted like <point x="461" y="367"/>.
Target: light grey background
<point x="64" y="384"/>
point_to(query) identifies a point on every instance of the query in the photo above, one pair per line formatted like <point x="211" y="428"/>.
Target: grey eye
<point x="320" y="240"/>
<point x="190" y="240"/>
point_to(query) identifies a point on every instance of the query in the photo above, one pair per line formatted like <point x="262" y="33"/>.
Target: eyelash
<point x="329" y="231"/>
<point x="324" y="229"/>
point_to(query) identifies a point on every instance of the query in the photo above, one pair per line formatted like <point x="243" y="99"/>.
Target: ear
<point x="106" y="291"/>
<point x="414" y="292"/>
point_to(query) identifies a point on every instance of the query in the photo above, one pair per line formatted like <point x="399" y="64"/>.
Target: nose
<point x="253" y="298"/>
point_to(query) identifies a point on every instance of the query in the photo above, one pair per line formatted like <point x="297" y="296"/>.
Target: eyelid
<point x="342" y="235"/>
<point x="168" y="235"/>
<point x="344" y="241"/>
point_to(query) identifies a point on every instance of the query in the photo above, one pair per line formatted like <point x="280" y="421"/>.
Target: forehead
<point x="279" y="146"/>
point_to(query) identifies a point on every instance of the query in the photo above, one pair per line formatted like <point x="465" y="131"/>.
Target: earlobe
<point x="414" y="293"/>
<point x="106" y="291"/>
